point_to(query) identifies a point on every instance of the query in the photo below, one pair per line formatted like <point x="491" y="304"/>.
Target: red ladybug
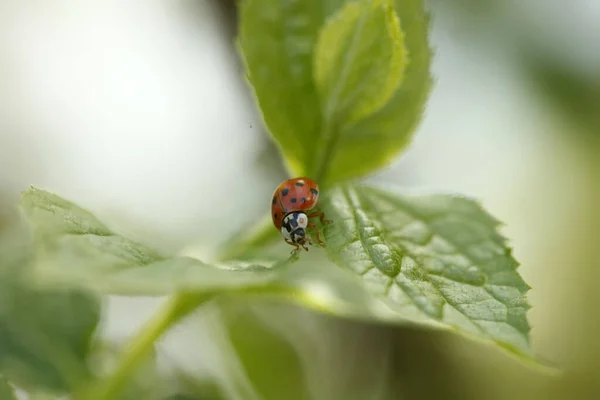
<point x="291" y="200"/>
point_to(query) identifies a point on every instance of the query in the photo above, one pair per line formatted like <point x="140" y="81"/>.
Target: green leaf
<point x="278" y="40"/>
<point x="45" y="334"/>
<point x="436" y="261"/>
<point x="434" y="258"/>
<point x="6" y="391"/>
<point x="75" y="248"/>
<point x="378" y="139"/>
<point x="359" y="61"/>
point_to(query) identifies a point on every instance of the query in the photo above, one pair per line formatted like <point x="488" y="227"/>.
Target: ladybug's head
<point x="298" y="236"/>
<point x="293" y="227"/>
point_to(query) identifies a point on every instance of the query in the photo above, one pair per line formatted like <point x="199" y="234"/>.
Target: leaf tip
<point x="30" y="189"/>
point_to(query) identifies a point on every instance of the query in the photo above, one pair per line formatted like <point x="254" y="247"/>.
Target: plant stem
<point x="175" y="308"/>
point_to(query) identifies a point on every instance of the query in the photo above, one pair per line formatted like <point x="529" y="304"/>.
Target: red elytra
<point x="297" y="194"/>
<point x="292" y="199"/>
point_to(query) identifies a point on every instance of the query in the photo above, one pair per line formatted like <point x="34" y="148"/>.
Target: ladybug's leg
<point x="321" y="243"/>
<point x="321" y="216"/>
<point x="296" y="245"/>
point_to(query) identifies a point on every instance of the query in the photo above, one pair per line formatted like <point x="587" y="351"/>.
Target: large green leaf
<point x="45" y="334"/>
<point x="435" y="261"/>
<point x="431" y="258"/>
<point x="278" y="40"/>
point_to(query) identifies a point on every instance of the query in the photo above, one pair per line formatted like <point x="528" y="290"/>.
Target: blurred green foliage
<point x="576" y="97"/>
<point x="6" y="391"/>
<point x="45" y="334"/>
<point x="254" y="343"/>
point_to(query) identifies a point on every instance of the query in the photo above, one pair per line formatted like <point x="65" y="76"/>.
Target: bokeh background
<point x="139" y="112"/>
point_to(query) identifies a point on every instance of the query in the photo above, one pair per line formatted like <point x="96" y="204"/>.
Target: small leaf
<point x="75" y="248"/>
<point x="434" y="258"/>
<point x="378" y="139"/>
<point x="359" y="61"/>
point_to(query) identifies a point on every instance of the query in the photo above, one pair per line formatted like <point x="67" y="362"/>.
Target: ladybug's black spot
<point x="275" y="215"/>
<point x="285" y="191"/>
<point x="300" y="183"/>
<point x="304" y="199"/>
<point x="314" y="191"/>
<point x="274" y="199"/>
<point x="294" y="200"/>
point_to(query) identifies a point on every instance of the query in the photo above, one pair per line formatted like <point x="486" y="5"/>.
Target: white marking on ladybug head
<point x="285" y="233"/>
<point x="302" y="220"/>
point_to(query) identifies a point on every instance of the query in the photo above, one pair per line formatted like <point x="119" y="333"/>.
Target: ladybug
<point x="291" y="200"/>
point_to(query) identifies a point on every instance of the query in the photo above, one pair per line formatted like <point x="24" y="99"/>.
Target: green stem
<point x="175" y="308"/>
